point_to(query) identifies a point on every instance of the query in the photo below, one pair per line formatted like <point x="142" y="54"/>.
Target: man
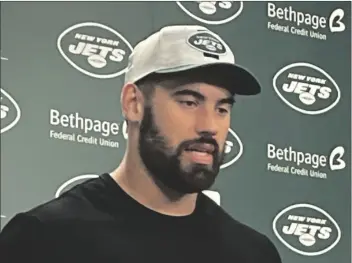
<point x="178" y="94"/>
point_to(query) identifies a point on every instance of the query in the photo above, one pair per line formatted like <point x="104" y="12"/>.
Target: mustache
<point x="159" y="141"/>
<point x="184" y="145"/>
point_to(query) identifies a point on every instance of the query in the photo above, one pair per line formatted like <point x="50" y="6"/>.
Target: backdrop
<point x="287" y="172"/>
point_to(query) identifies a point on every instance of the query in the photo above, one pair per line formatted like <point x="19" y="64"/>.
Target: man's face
<point x="182" y="135"/>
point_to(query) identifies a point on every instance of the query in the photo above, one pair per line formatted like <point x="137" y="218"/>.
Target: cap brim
<point x="236" y="79"/>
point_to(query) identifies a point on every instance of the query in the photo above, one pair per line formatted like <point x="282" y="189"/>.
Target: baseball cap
<point x="178" y="48"/>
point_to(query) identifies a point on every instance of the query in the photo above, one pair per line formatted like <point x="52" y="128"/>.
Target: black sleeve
<point x="271" y="254"/>
<point x="22" y="240"/>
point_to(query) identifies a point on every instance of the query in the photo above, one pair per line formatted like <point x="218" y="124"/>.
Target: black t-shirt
<point x="96" y="221"/>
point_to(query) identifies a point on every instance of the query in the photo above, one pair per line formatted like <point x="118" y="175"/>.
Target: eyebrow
<point x="228" y="100"/>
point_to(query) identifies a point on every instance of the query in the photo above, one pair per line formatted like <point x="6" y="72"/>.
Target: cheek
<point x="173" y="124"/>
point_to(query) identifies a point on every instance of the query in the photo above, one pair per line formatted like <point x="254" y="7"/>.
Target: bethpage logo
<point x="287" y="20"/>
<point x="306" y="229"/>
<point x="69" y="184"/>
<point x="95" y="50"/>
<point x="212" y="12"/>
<point x="311" y="165"/>
<point x="10" y="111"/>
<point x="306" y="88"/>
<point x="73" y="127"/>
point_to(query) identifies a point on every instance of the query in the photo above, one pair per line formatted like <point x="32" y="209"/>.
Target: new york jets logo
<point x="306" y="88"/>
<point x="95" y="49"/>
<point x="10" y="111"/>
<point x="212" y="12"/>
<point x="207" y="42"/>
<point x="306" y="229"/>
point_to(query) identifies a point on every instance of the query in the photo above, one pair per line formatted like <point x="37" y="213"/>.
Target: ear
<point x="132" y="103"/>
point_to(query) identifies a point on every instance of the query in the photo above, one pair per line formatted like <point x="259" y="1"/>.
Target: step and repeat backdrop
<point x="287" y="172"/>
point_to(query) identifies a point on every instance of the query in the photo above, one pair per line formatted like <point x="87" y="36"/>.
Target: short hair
<point x="148" y="84"/>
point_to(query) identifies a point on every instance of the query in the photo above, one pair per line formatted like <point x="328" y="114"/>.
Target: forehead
<point x="206" y="89"/>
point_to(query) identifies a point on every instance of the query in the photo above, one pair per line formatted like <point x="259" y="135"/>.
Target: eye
<point x="223" y="111"/>
<point x="188" y="103"/>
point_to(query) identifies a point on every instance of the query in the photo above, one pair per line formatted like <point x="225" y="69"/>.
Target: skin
<point x="181" y="115"/>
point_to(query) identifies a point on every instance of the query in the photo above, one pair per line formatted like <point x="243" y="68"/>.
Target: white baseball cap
<point x="178" y="48"/>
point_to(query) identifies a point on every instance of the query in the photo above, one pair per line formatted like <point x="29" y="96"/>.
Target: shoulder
<point x="75" y="203"/>
<point x="23" y="238"/>
<point x="237" y="235"/>
<point x="37" y="231"/>
<point x="81" y="201"/>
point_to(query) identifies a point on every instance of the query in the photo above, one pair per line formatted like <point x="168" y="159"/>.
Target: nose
<point x="206" y="124"/>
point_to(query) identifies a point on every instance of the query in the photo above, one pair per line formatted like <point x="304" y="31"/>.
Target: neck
<point x="132" y="176"/>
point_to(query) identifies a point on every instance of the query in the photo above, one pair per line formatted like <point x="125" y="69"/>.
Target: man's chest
<point x="140" y="245"/>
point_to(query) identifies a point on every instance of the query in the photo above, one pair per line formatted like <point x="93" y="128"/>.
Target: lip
<point x="200" y="157"/>
<point x="201" y="147"/>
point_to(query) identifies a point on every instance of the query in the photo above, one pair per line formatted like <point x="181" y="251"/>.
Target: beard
<point x="164" y="162"/>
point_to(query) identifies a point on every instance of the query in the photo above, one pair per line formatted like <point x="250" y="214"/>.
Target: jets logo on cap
<point x="207" y="42"/>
